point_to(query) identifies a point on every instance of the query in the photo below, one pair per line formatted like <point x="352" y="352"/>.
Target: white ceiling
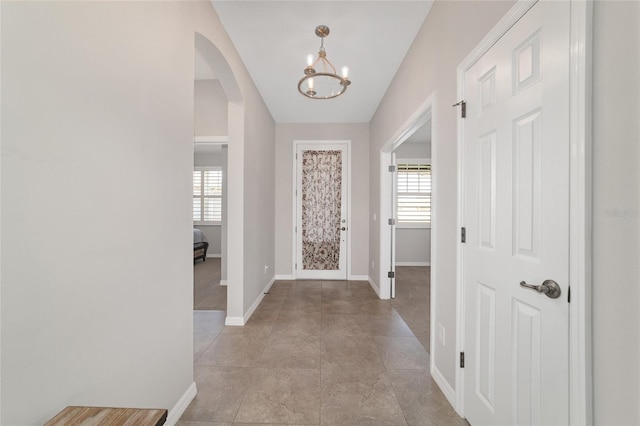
<point x="274" y="38"/>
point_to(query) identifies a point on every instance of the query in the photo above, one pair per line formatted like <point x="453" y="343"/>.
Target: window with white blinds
<point x="207" y="196"/>
<point x="413" y="194"/>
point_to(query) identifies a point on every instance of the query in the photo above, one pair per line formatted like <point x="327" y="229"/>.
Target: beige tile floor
<point x="208" y="294"/>
<point x="314" y="352"/>
<point x="413" y="298"/>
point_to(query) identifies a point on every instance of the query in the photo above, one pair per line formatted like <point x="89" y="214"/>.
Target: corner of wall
<point x="181" y="406"/>
<point x="446" y="388"/>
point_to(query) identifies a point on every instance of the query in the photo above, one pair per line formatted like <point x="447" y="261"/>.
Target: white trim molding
<point x="181" y="406"/>
<point x="374" y="286"/>
<point x="580" y="205"/>
<point x="358" y="277"/>
<point x="285" y="277"/>
<point x="234" y="321"/>
<point x="210" y="139"/>
<point x="580" y="208"/>
<point x="413" y="263"/>
<point x="255" y="304"/>
<point x="446" y="388"/>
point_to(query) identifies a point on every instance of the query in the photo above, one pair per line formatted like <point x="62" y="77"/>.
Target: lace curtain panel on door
<point x="321" y="209"/>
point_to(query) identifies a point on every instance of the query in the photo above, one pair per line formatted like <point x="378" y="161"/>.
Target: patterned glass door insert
<point x="321" y="209"/>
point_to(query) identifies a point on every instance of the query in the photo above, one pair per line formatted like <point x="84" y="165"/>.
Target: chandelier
<point x="324" y="83"/>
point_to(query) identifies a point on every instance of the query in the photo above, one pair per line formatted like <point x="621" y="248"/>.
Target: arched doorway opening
<point x="231" y="251"/>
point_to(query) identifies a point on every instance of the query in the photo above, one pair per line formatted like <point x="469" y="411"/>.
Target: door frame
<point x="294" y="203"/>
<point x="580" y="204"/>
<point x="421" y="115"/>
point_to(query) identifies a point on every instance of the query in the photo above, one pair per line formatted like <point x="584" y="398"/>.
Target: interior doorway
<point x="405" y="249"/>
<point x="219" y="120"/>
<point x="411" y="241"/>
<point x="210" y="225"/>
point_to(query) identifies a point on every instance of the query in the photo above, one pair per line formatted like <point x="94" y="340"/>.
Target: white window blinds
<point x="207" y="196"/>
<point x="414" y="193"/>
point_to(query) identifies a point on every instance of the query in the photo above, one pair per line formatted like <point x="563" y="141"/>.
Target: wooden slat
<point x="94" y="416"/>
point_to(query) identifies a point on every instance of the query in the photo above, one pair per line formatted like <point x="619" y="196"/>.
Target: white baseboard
<point x="374" y="286"/>
<point x="181" y="406"/>
<point x="256" y="303"/>
<point x="290" y="277"/>
<point x="285" y="277"/>
<point x="223" y="282"/>
<point x="358" y="278"/>
<point x="213" y="255"/>
<point x="243" y="320"/>
<point x="234" y="321"/>
<point x="445" y="387"/>
<point x="413" y="263"/>
<point x="210" y="139"/>
<point x="268" y="287"/>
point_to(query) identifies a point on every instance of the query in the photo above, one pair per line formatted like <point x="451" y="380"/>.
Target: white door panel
<point x="516" y="214"/>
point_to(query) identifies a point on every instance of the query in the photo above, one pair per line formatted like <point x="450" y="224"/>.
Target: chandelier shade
<point x="321" y="81"/>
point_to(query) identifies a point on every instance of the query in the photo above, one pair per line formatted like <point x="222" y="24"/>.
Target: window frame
<point x="202" y="196"/>
<point x="420" y="161"/>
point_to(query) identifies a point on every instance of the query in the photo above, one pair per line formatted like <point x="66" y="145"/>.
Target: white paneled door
<point x="321" y="211"/>
<point x="516" y="216"/>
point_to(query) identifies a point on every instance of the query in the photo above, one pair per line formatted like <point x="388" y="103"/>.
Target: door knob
<point x="548" y="287"/>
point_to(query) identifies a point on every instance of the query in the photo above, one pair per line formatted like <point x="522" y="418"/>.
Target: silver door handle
<point x="548" y="287"/>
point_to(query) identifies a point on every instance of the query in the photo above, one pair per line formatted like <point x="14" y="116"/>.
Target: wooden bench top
<point x="103" y="416"/>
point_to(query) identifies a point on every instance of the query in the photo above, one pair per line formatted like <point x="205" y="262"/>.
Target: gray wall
<point x="414" y="150"/>
<point x="259" y="201"/>
<point x="413" y="246"/>
<point x="211" y="119"/>
<point x="210" y="112"/>
<point x="616" y="221"/>
<point x="208" y="159"/>
<point x="214" y="238"/>
<point x="358" y="134"/>
<point x="449" y="33"/>
<point x="97" y="154"/>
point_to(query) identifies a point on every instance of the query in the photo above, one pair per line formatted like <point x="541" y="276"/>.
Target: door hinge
<point x="461" y="359"/>
<point x="296" y="266"/>
<point x="295" y="229"/>
<point x="392" y="168"/>
<point x="463" y="108"/>
<point x="463" y="235"/>
<point x="392" y="221"/>
<point x="391" y="274"/>
<point x="569" y="295"/>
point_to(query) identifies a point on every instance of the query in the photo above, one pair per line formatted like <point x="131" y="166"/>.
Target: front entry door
<point x="321" y="210"/>
<point x="516" y="215"/>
